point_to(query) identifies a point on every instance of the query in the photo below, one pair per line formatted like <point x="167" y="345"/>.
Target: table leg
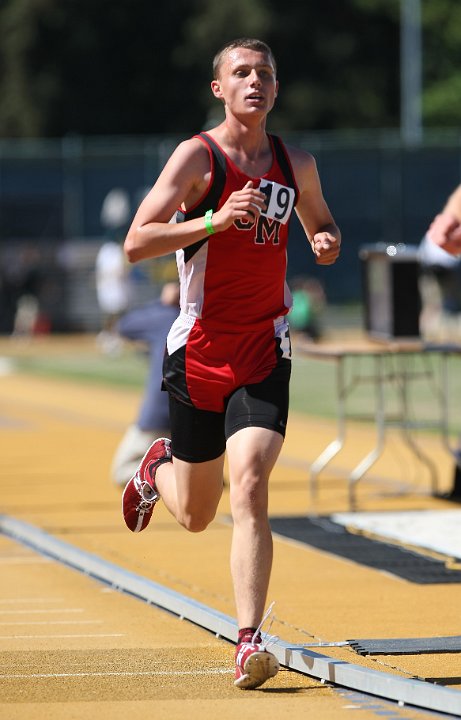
<point x="380" y="421"/>
<point x="337" y="444"/>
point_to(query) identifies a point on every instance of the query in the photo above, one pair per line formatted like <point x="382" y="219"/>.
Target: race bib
<point x="280" y="200"/>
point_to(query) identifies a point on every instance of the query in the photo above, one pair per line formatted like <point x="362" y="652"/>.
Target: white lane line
<point x="52" y="622"/>
<point x="41" y="612"/>
<point x="14" y="601"/>
<point x="163" y="673"/>
<point x="24" y="560"/>
<point x="57" y="637"/>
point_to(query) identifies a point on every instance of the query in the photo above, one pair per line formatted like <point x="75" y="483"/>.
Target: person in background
<point x="228" y="361"/>
<point x="445" y="229"/>
<point x="445" y="232"/>
<point x="442" y="244"/>
<point x="111" y="270"/>
<point x="26" y="287"/>
<point x="149" y="325"/>
<point x="440" y="284"/>
<point x="309" y="301"/>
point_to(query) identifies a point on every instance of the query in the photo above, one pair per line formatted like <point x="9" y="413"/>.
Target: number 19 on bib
<point x="279" y="199"/>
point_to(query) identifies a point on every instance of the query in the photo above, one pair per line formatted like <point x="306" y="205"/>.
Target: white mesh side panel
<point x="192" y="278"/>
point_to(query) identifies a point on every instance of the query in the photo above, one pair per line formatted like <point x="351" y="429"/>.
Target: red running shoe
<point x="253" y="665"/>
<point x="140" y="494"/>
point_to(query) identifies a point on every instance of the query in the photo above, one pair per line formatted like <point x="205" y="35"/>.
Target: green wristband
<point x="208" y="224"/>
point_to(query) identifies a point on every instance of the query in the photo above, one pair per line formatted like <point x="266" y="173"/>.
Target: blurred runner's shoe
<point x="140" y="494"/>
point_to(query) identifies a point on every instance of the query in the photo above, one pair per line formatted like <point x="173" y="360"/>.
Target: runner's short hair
<point x="249" y="44"/>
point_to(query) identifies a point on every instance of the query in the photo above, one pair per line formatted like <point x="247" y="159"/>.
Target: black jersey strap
<point x="213" y="196"/>
<point x="284" y="164"/>
<point x="220" y="168"/>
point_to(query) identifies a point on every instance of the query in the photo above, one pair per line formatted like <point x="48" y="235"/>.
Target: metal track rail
<point x="295" y="657"/>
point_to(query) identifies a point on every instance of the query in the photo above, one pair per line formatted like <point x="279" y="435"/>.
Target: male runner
<point x="227" y="365"/>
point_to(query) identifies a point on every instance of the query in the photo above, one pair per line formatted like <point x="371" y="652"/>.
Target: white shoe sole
<point x="259" y="667"/>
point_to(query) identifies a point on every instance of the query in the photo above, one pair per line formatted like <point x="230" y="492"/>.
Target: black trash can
<point x="391" y="296"/>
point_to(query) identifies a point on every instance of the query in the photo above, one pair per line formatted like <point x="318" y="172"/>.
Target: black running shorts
<point x="200" y="435"/>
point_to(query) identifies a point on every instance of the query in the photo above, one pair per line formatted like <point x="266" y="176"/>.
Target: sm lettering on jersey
<point x="279" y="205"/>
<point x="267" y="230"/>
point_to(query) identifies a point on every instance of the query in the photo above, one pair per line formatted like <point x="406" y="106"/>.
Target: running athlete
<point x="227" y="363"/>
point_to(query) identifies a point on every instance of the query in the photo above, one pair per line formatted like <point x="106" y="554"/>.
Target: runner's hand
<point x="244" y="204"/>
<point x="445" y="231"/>
<point x="326" y="248"/>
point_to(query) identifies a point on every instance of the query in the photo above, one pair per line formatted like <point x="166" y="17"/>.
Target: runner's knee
<point x="196" y="520"/>
<point x="249" y="495"/>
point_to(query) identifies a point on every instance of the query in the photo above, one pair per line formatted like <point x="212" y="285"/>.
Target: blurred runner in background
<point x="149" y="325"/>
<point x="111" y="270"/>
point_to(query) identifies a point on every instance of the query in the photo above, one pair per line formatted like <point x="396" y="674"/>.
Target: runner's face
<point x="247" y="82"/>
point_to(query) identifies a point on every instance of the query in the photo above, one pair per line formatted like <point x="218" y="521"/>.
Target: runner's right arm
<point x="182" y="183"/>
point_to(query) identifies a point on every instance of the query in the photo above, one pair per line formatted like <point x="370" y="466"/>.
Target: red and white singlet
<point x="234" y="295"/>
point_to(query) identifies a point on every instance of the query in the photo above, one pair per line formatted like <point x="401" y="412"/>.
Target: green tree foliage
<point x="90" y="67"/>
<point x="144" y="66"/>
<point x="338" y="60"/>
<point x="442" y="63"/>
<point x="343" y="64"/>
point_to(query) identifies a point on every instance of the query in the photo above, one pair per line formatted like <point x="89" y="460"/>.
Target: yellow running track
<point x="74" y="648"/>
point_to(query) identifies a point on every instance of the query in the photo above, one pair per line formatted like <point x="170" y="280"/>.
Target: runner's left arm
<point x="313" y="211"/>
